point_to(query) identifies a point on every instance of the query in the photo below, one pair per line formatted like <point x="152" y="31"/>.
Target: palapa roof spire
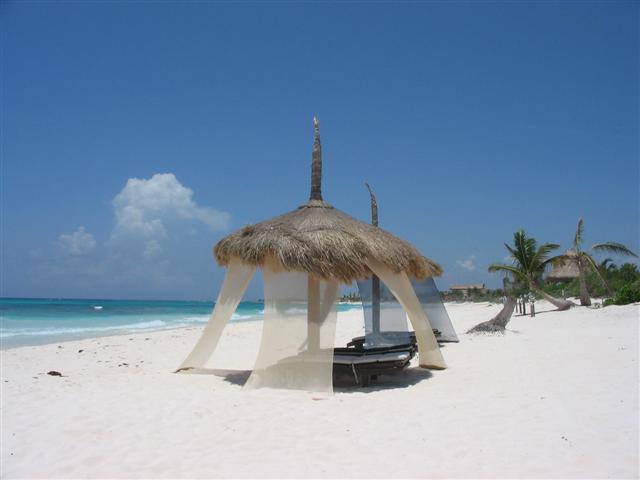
<point x="319" y="239"/>
<point x="374" y="206"/>
<point x="316" y="163"/>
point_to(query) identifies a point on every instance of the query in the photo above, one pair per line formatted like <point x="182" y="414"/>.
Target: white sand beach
<point x="555" y="397"/>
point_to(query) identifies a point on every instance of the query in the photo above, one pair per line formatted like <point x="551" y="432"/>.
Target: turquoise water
<point x="40" y="321"/>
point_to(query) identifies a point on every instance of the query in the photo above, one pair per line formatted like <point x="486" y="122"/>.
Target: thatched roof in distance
<point x="565" y="270"/>
<point x="317" y="238"/>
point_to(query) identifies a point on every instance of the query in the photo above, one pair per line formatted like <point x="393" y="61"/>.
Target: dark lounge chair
<point x="366" y="364"/>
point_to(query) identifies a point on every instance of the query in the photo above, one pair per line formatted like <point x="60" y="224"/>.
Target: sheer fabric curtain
<point x="429" y="352"/>
<point x="296" y="349"/>
<point x="235" y="283"/>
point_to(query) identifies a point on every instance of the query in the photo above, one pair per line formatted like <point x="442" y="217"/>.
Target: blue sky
<point x="135" y="135"/>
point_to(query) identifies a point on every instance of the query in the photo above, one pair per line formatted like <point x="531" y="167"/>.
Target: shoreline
<point x="125" y="334"/>
<point x="17" y="336"/>
<point x="257" y="318"/>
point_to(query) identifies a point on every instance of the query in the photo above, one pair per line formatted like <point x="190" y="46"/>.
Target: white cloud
<point x="79" y="242"/>
<point x="152" y="248"/>
<point x="467" y="264"/>
<point x="144" y="206"/>
<point x="151" y="216"/>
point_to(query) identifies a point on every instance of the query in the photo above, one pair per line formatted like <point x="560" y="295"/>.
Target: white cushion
<point x="377" y="358"/>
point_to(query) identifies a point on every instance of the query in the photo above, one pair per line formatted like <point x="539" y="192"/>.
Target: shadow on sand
<point x="403" y="379"/>
<point x="341" y="383"/>
<point x="235" y="377"/>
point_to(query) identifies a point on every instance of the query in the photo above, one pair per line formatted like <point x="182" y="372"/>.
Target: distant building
<point x="466" y="289"/>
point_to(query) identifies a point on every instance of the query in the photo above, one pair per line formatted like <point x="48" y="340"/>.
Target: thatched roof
<point x="565" y="270"/>
<point x="319" y="239"/>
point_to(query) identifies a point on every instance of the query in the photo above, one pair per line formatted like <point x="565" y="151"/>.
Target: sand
<point x="555" y="397"/>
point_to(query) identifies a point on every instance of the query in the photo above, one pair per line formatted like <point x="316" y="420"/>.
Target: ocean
<point x="25" y="322"/>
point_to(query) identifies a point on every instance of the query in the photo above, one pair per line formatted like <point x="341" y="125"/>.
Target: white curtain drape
<point x="400" y="285"/>
<point x="236" y="281"/>
<point x="429" y="297"/>
<point x="296" y="349"/>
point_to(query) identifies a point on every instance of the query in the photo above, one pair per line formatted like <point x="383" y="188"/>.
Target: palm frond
<point x="541" y="257"/>
<point x="498" y="267"/>
<point x="606" y="265"/>
<point x="577" y="240"/>
<point x="511" y="251"/>
<point x="525" y="248"/>
<point x="613" y="247"/>
<point x="520" y="250"/>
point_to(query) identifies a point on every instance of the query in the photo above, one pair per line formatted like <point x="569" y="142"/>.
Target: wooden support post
<point x="375" y="304"/>
<point x="313" y="314"/>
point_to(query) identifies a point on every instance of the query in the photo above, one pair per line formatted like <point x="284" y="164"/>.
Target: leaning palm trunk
<point x="585" y="297"/>
<point x="558" y="302"/>
<point x="499" y="322"/>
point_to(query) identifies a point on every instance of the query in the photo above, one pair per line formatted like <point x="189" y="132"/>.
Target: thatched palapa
<point x="319" y="239"/>
<point x="304" y="255"/>
<point x="565" y="270"/>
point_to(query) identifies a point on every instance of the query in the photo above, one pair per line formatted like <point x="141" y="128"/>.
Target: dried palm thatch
<point x="565" y="269"/>
<point x="318" y="239"/>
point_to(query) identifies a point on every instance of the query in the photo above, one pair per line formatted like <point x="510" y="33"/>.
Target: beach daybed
<point x="366" y="364"/>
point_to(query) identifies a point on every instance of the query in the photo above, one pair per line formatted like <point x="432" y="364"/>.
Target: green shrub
<point x="628" y="293"/>
<point x="556" y="289"/>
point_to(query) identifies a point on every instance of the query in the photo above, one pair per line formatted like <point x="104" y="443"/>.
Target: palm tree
<point x="584" y="261"/>
<point x="529" y="263"/>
